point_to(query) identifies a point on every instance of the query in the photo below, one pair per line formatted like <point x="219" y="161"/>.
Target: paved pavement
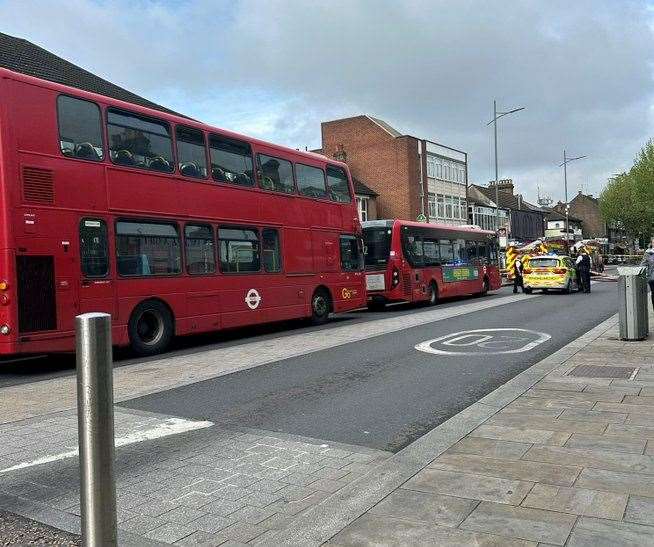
<point x="201" y="477"/>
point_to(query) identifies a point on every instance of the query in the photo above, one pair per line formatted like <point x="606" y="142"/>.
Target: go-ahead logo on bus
<point x="348" y="293"/>
<point x="253" y="299"/>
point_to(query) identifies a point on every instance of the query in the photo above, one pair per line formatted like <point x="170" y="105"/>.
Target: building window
<point x="272" y="256"/>
<point x="464" y="209"/>
<point x="439" y="170"/>
<point x="231" y="161"/>
<point x="448" y="206"/>
<point x="80" y="129"/>
<point x="431" y="168"/>
<point x="138" y="141"/>
<point x="94" y="248"/>
<point x="239" y="249"/>
<point x="200" y="252"/>
<point x="432" y="205"/>
<point x="191" y="155"/>
<point x="310" y="181"/>
<point x="440" y="200"/>
<point x="362" y="206"/>
<point x="147" y="248"/>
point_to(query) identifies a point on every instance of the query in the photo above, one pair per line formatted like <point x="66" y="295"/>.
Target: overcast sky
<point x="276" y="69"/>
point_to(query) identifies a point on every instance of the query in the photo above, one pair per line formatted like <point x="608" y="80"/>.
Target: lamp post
<point x="496" y="116"/>
<point x="566" y="161"/>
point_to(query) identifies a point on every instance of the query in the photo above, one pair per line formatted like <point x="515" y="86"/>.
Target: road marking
<point x="489" y="342"/>
<point x="170" y="426"/>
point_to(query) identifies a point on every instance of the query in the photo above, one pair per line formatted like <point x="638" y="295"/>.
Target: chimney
<point x="503" y="185"/>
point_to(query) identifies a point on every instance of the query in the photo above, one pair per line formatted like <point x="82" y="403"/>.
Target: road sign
<point x="484" y="342"/>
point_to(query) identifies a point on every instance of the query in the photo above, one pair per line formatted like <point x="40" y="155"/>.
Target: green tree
<point x="628" y="198"/>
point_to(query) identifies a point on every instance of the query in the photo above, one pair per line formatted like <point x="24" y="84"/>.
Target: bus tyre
<point x="320" y="307"/>
<point x="433" y="294"/>
<point x="150" y="328"/>
<point x="376" y="305"/>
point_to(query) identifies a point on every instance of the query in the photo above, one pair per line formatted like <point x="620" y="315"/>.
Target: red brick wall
<point x="587" y="209"/>
<point x="386" y="164"/>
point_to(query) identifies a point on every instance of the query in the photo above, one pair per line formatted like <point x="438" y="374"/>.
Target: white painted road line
<point x="488" y="342"/>
<point x="170" y="426"/>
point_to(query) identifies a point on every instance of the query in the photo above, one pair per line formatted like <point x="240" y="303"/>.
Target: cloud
<point x="276" y="69"/>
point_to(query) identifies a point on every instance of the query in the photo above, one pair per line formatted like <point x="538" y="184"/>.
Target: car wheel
<point x="150" y="328"/>
<point x="568" y="288"/>
<point x="528" y="291"/>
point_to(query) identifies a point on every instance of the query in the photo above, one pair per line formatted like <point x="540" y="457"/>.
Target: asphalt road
<point x="36" y="368"/>
<point x="382" y="392"/>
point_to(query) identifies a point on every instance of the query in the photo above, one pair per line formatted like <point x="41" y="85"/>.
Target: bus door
<point x="96" y="288"/>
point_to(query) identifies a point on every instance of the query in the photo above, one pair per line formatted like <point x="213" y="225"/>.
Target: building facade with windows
<point x="482" y="211"/>
<point x="366" y="201"/>
<point x="412" y="178"/>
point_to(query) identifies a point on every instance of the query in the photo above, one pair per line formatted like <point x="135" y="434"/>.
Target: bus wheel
<point x="150" y="328"/>
<point x="433" y="294"/>
<point x="376" y="305"/>
<point x="320" y="307"/>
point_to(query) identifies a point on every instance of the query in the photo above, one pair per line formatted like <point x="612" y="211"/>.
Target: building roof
<point x="553" y="214"/>
<point x="514" y="202"/>
<point x="360" y="189"/>
<point x="20" y="55"/>
<point x="381" y="123"/>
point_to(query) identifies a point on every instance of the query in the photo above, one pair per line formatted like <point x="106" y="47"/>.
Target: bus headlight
<point x="4" y="329"/>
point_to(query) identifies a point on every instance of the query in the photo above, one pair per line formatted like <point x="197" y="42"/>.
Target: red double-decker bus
<point x="171" y="226"/>
<point x="417" y="262"/>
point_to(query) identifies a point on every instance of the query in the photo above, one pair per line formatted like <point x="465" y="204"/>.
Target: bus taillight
<point x="4" y="285"/>
<point x="396" y="277"/>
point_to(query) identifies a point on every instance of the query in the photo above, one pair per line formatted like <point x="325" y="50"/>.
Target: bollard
<point x="95" y="423"/>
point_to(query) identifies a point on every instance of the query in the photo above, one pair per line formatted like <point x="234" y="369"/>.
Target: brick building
<point x="586" y="208"/>
<point x="525" y="220"/>
<point x="412" y="177"/>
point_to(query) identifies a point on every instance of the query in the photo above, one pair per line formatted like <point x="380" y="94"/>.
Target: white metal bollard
<point x="95" y="423"/>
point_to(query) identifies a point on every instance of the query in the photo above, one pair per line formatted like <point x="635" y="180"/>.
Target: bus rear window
<point x="377" y="245"/>
<point x="80" y="130"/>
<point x="544" y="263"/>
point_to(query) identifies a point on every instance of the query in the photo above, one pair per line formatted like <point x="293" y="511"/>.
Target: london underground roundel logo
<point x="253" y="299"/>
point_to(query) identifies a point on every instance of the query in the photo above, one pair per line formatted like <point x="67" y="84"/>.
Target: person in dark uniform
<point x="584" y="265"/>
<point x="517" y="276"/>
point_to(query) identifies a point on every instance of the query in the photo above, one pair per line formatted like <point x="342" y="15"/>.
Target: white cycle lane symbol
<point x="484" y="342"/>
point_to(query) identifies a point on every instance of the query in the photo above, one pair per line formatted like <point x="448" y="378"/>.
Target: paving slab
<point x="426" y="507"/>
<point x="521" y="523"/>
<point x="470" y="486"/>
<point x="614" y="481"/>
<point x="577" y="501"/>
<point x="372" y="530"/>
<point x="490" y="447"/>
<point x="592" y="532"/>
<point x="563" y="475"/>
<point x="609" y="443"/>
<point x="597" y="459"/>
<point x="640" y="510"/>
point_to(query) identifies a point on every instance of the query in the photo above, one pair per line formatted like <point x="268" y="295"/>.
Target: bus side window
<point x="470" y="254"/>
<point x="275" y="174"/>
<point x="431" y="252"/>
<point x="80" y="129"/>
<point x="146" y="248"/>
<point x="446" y="251"/>
<point x="272" y="256"/>
<point x="231" y="161"/>
<point x="200" y="253"/>
<point x="239" y="249"/>
<point x="351" y="254"/>
<point x="310" y="181"/>
<point x="339" y="189"/>
<point x="139" y="141"/>
<point x="94" y="248"/>
<point x="191" y="155"/>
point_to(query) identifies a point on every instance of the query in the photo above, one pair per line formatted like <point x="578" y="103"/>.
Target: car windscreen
<point x="544" y="263"/>
<point x="377" y="244"/>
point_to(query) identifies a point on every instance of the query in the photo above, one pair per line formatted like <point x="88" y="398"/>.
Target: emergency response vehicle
<point x="547" y="272"/>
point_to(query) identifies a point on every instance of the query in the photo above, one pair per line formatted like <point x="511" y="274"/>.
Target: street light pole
<point x="496" y="116"/>
<point x="567" y="160"/>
